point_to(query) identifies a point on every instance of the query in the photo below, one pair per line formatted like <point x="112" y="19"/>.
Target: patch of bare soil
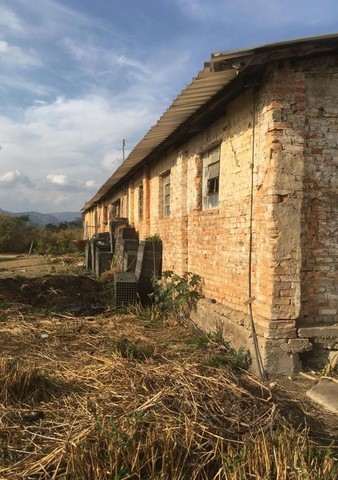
<point x="12" y="265"/>
<point x="72" y="293"/>
<point x="106" y="396"/>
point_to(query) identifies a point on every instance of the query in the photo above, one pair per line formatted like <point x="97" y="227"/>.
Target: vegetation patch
<point x="18" y="235"/>
<point x="4" y="305"/>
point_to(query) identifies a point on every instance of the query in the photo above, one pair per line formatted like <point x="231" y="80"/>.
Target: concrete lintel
<point x="324" y="331"/>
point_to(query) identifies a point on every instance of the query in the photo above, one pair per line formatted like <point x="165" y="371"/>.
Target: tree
<point x="15" y="234"/>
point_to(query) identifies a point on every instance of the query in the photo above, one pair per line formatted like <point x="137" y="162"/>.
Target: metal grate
<point x="125" y="286"/>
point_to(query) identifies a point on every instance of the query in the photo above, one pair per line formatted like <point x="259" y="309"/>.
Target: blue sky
<point x="77" y="76"/>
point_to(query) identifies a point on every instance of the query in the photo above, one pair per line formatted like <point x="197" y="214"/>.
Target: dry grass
<point x="77" y="402"/>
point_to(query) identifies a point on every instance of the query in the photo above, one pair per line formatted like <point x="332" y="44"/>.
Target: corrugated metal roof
<point x="202" y="88"/>
<point x="273" y="46"/>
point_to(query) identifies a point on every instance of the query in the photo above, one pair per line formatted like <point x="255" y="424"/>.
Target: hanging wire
<point x="259" y="361"/>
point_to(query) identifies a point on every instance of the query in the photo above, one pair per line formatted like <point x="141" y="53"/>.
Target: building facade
<point x="239" y="179"/>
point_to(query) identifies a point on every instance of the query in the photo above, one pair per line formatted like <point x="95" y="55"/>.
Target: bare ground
<point x="12" y="265"/>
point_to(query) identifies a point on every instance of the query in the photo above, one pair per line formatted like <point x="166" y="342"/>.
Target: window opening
<point x="116" y="209"/>
<point x="166" y="195"/>
<point x="140" y="202"/>
<point x="105" y="214"/>
<point x="211" y="174"/>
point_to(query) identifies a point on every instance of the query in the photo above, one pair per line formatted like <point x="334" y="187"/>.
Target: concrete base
<point x="277" y="355"/>
<point x="279" y="360"/>
<point x="325" y="393"/>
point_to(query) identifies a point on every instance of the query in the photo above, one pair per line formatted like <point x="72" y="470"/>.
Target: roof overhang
<point x="219" y="74"/>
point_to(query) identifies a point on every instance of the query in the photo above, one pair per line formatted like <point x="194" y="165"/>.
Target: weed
<point x="132" y="351"/>
<point x="109" y="290"/>
<point x="177" y="294"/>
<point x="4" y="305"/>
<point x="199" y="341"/>
<point x="154" y="238"/>
<point x="149" y="315"/>
<point x="17" y="276"/>
<point x="71" y="270"/>
<point x="237" y="358"/>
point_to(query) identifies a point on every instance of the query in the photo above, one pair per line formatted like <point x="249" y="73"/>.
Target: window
<point x="105" y="214"/>
<point x="165" y="191"/>
<point x="210" y="184"/>
<point x="116" y="209"/>
<point x="140" y="202"/>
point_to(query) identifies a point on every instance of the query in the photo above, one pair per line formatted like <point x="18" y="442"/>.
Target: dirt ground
<point x="67" y="357"/>
<point x="12" y="265"/>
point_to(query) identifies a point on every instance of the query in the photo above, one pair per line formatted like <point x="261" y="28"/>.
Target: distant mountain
<point x="66" y="216"/>
<point x="43" y="219"/>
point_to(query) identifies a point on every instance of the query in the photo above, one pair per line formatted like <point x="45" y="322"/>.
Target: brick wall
<point x="215" y="243"/>
<point x="320" y="204"/>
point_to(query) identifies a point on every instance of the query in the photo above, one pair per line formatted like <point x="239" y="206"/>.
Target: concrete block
<point x="279" y="334"/>
<point x="300" y="345"/>
<point x="278" y="361"/>
<point x="323" y="331"/>
<point x="325" y="393"/>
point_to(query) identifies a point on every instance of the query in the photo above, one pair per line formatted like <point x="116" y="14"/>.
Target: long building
<point x="239" y="179"/>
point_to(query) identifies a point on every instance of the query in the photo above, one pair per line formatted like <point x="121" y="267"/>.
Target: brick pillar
<point x="287" y="192"/>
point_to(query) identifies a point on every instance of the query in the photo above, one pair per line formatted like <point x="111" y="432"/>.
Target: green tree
<point x="15" y="234"/>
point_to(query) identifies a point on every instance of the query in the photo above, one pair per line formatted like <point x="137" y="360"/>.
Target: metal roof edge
<point x="271" y="46"/>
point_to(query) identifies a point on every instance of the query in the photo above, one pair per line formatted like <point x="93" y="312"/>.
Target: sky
<point x="77" y="76"/>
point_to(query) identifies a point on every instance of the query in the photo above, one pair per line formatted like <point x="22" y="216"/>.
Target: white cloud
<point x="112" y="159"/>
<point x="9" y="20"/>
<point x="102" y="63"/>
<point x="65" y="143"/>
<point x="91" y="184"/>
<point x="12" y="55"/>
<point x="61" y="200"/>
<point x="12" y="81"/>
<point x="47" y="19"/>
<point x="58" y="179"/>
<point x="14" y="178"/>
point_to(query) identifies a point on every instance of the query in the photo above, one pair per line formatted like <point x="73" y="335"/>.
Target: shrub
<point x="56" y="242"/>
<point x="177" y="294"/>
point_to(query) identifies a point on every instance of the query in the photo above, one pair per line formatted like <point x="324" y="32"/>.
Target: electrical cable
<point x="262" y="373"/>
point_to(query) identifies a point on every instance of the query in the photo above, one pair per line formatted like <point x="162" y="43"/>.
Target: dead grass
<point x="114" y="397"/>
<point x="24" y="383"/>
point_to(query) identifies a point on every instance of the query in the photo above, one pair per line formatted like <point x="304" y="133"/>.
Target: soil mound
<point x="63" y="292"/>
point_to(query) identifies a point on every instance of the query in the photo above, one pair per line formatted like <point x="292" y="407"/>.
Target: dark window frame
<point x="165" y="194"/>
<point x="211" y="159"/>
<point x="140" y="202"/>
<point x="105" y="214"/>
